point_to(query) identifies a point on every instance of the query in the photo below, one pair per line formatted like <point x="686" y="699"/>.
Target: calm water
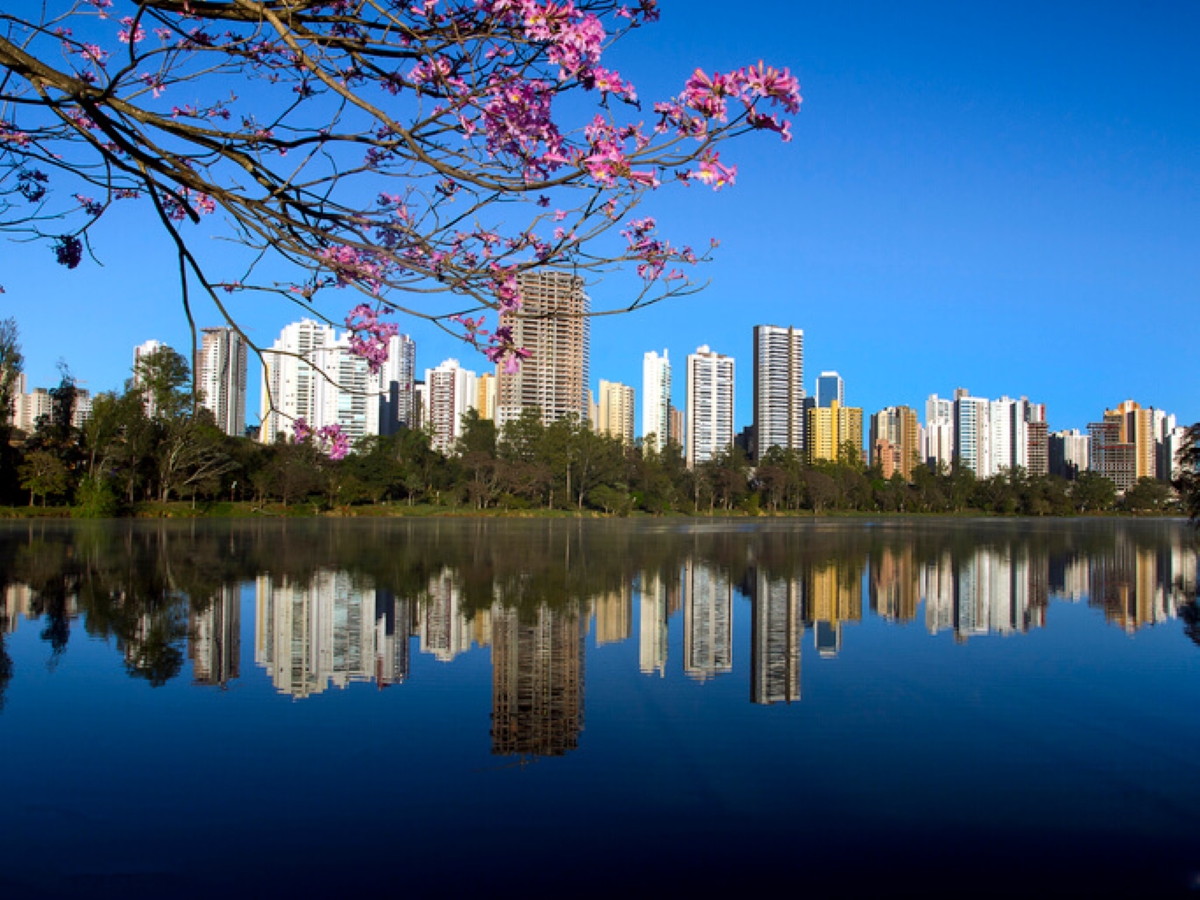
<point x="650" y="708"/>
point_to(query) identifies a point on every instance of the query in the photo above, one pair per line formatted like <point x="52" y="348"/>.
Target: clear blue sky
<point x="1004" y="197"/>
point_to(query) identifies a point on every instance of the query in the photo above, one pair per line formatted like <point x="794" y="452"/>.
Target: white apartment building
<point x="656" y="399"/>
<point x="709" y="405"/>
<point x="289" y="379"/>
<point x="452" y="391"/>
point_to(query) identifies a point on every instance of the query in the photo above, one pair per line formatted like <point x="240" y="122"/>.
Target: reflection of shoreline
<point x="169" y="593"/>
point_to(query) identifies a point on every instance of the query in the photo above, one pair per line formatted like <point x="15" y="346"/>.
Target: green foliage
<point x="1188" y="482"/>
<point x="96" y="499"/>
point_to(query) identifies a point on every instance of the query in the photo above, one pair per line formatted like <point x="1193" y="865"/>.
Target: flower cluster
<point x="329" y="439"/>
<point x="369" y="337"/>
<point x="350" y="265"/>
<point x="499" y="346"/>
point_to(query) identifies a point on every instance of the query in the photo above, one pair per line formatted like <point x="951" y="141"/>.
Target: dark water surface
<point x="583" y="708"/>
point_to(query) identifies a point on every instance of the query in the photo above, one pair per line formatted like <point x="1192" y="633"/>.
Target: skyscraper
<point x="289" y="379"/>
<point x="452" y="391"/>
<point x="778" y="388"/>
<point x="553" y="325"/>
<point x="221" y="378"/>
<point x="972" y="447"/>
<point x="616" y="411"/>
<point x="830" y="387"/>
<point x="939" y="432"/>
<point x="392" y="386"/>
<point x="833" y="429"/>
<point x="709" y="405"/>
<point x="895" y="440"/>
<point x="656" y="399"/>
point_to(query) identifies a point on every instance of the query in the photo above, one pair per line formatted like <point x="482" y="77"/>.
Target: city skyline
<point x="933" y="192"/>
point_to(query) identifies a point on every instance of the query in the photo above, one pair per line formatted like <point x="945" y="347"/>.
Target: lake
<point x="826" y="707"/>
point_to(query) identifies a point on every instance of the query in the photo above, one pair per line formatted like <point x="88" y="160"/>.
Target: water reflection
<point x="337" y="603"/>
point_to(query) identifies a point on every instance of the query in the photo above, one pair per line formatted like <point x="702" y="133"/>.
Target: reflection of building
<point x="15" y="602"/>
<point x="707" y="622"/>
<point x="537" y="681"/>
<point x="652" y="630"/>
<point x="614" y="616"/>
<point x="894" y="585"/>
<point x="777" y="626"/>
<point x="328" y="630"/>
<point x="215" y="638"/>
<point x="1134" y="585"/>
<point x="442" y="627"/>
<point x="834" y="596"/>
<point x="988" y="591"/>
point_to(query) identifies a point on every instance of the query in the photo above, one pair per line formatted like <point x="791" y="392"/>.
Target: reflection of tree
<point x="6" y="670"/>
<point x="1190" y="613"/>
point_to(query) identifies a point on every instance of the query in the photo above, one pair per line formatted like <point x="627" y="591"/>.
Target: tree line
<point x="153" y="442"/>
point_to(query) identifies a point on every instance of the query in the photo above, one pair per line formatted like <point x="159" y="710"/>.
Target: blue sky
<point x="1004" y="197"/>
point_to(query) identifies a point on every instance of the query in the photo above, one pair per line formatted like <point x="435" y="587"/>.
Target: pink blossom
<point x="369" y="337"/>
<point x="130" y="33"/>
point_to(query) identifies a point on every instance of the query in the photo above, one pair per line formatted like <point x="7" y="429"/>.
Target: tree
<point x="163" y="379"/>
<point x="43" y="474"/>
<point x="1092" y="492"/>
<point x="1188" y="481"/>
<point x="11" y="364"/>
<point x="1148" y="494"/>
<point x="396" y="149"/>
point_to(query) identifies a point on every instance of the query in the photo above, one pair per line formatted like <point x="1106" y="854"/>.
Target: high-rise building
<point x="289" y="380"/>
<point x="656" y="399"/>
<point x="895" y="440"/>
<point x="830" y="387"/>
<point x="939" y="432"/>
<point x="485" y="398"/>
<point x="778" y="389"/>
<point x="342" y="392"/>
<point x="1068" y="453"/>
<point x="221" y="378"/>
<point x="553" y="325"/>
<point x="831" y="430"/>
<point x="1111" y="455"/>
<point x="392" y="388"/>
<point x="615" y="416"/>
<point x="709" y="405"/>
<point x="452" y="391"/>
<point x="678" y="423"/>
<point x="972" y="438"/>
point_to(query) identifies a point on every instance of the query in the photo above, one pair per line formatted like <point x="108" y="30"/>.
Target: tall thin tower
<point x="221" y="377"/>
<point x="656" y="399"/>
<point x="778" y="388"/>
